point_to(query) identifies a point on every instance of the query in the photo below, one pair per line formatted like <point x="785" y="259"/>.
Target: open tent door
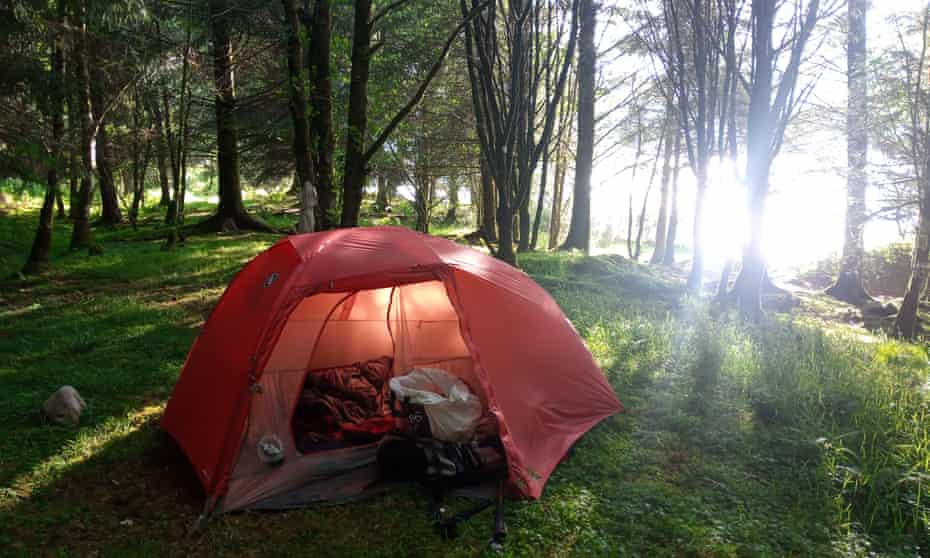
<point x="413" y="325"/>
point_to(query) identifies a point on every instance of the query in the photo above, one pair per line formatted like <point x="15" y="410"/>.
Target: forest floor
<point x="774" y="440"/>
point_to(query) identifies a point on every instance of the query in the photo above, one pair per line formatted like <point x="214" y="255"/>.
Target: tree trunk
<point x="423" y="202"/>
<point x="671" y="129"/>
<point x="579" y="230"/>
<point x="555" y="220"/>
<point x="299" y="111"/>
<point x="452" y="212"/>
<point x="748" y="285"/>
<point x="641" y="224"/>
<point x="321" y="116"/>
<point x="162" y="177"/>
<point x="382" y="199"/>
<point x="696" y="276"/>
<point x="848" y="286"/>
<point x="523" y="218"/>
<point x="505" y="232"/>
<point x="141" y="148"/>
<point x="60" y="202"/>
<point x="629" y="227"/>
<point x="488" y="203"/>
<point x="73" y="178"/>
<point x="906" y="324"/>
<point x="42" y="243"/>
<point x="231" y="214"/>
<point x="110" y="213"/>
<point x="354" y="175"/>
<point x="80" y="232"/>
<point x="161" y="159"/>
<point x="544" y="177"/>
<point x="672" y="236"/>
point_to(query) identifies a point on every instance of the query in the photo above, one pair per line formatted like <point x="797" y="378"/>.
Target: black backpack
<point x="443" y="467"/>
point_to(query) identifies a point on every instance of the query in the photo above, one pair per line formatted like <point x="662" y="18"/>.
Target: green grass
<point x="777" y="440"/>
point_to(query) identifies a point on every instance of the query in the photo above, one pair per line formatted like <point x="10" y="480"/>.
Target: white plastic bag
<point x="453" y="410"/>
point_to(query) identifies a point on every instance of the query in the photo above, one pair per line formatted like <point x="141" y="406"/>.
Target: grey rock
<point x="64" y="406"/>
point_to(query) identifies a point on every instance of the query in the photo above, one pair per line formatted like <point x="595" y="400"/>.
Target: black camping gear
<point x="471" y="470"/>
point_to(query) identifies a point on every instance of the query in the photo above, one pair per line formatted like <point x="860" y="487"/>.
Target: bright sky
<point x="805" y="213"/>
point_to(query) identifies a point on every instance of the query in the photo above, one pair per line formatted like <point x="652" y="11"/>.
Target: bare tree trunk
<point x="299" y="111"/>
<point x="184" y="128"/>
<point x="321" y="117"/>
<point x="642" y="213"/>
<point x="42" y="243"/>
<point x="488" y="203"/>
<point x="555" y="220"/>
<point x="672" y="236"/>
<point x="73" y="175"/>
<point x="161" y="156"/>
<point x="110" y="213"/>
<point x="80" y="232"/>
<point x="671" y="129"/>
<point x="696" y="275"/>
<point x="523" y="214"/>
<point x="141" y="149"/>
<point x="906" y="324"/>
<point x="382" y="199"/>
<point x="60" y="202"/>
<point x="354" y="173"/>
<point x="543" y="179"/>
<point x="629" y="227"/>
<point x="164" y="150"/>
<point x="423" y="202"/>
<point x="230" y="214"/>
<point x="765" y="130"/>
<point x="848" y="286"/>
<point x="579" y="230"/>
<point x="452" y="212"/>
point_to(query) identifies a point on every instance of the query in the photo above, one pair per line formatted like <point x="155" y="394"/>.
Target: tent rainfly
<point x="327" y="299"/>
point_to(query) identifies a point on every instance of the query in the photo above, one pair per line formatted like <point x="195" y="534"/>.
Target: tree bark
<point x="382" y="199"/>
<point x="579" y="230"/>
<point x="423" y="202"/>
<point x="80" y="232"/>
<point x="299" y="110"/>
<point x="42" y="243"/>
<point x="555" y="220"/>
<point x="765" y="130"/>
<point x="672" y="236"/>
<point x="487" y="201"/>
<point x="73" y="177"/>
<point x="848" y="286"/>
<point x="110" y="213"/>
<point x="141" y="149"/>
<point x="321" y="116"/>
<point x="537" y="220"/>
<point x="231" y="214"/>
<point x="671" y="130"/>
<point x="906" y="324"/>
<point x="523" y="218"/>
<point x="696" y="275"/>
<point x="354" y="173"/>
<point x="161" y="157"/>
<point x="641" y="223"/>
<point x="452" y="211"/>
<point x="60" y="202"/>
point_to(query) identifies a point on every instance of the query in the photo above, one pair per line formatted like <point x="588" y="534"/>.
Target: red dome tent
<point x="337" y="297"/>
